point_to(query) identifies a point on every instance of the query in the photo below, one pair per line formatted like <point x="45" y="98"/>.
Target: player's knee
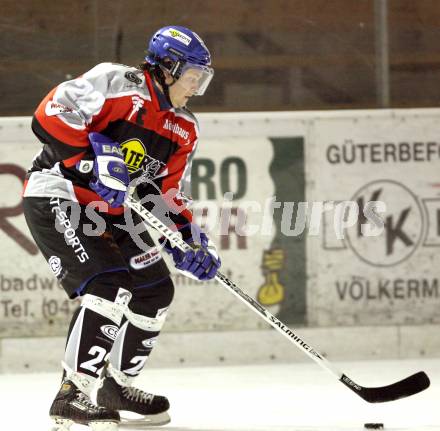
<point x="108" y="295"/>
<point x="107" y="284"/>
<point x="149" y="299"/>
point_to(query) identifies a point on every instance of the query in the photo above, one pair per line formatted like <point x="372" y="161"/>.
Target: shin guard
<point x="93" y="330"/>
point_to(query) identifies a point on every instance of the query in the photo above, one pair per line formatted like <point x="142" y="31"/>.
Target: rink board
<point x="321" y="277"/>
<point x="259" y="346"/>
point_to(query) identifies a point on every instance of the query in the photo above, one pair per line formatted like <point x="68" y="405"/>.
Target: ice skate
<point x="71" y="406"/>
<point x="137" y="408"/>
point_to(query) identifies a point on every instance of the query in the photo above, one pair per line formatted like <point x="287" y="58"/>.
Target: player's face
<point x="185" y="87"/>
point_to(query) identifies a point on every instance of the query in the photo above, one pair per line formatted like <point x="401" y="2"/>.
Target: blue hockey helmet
<point x="177" y="50"/>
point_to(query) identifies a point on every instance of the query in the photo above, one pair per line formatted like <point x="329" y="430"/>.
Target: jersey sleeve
<point x="70" y="111"/>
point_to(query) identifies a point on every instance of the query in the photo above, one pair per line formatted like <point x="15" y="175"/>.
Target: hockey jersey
<point x="123" y="103"/>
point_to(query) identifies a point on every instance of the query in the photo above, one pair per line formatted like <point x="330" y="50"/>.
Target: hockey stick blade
<point x="404" y="388"/>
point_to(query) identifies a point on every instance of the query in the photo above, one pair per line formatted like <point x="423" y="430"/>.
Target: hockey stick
<point x="401" y="389"/>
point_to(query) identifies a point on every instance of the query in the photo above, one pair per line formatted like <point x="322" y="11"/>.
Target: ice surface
<point x="294" y="397"/>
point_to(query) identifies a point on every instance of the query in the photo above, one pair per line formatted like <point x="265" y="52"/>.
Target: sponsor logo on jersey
<point x="150" y="342"/>
<point x="137" y="104"/>
<point x="134" y="154"/>
<point x="176" y="129"/>
<point x="178" y="35"/>
<point x="110" y="331"/>
<point x="145" y="259"/>
<point x="136" y="158"/>
<point x="132" y="77"/>
<point x="54" y="108"/>
<point x="151" y="168"/>
<point x="55" y="265"/>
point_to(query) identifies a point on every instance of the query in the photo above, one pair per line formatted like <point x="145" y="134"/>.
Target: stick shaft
<point x="283" y="329"/>
<point x="278" y="325"/>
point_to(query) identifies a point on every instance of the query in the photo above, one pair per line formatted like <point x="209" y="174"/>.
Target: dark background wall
<point x="268" y="55"/>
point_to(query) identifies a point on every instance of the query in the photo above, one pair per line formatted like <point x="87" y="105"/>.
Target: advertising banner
<point x="375" y="260"/>
<point x="327" y="219"/>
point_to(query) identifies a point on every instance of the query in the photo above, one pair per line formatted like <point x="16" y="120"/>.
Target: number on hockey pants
<point x="100" y="353"/>
<point x="139" y="362"/>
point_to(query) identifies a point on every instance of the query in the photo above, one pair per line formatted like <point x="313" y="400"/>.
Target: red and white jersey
<point x="124" y="104"/>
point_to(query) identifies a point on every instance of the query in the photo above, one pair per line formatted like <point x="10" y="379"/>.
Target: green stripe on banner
<point x="287" y="257"/>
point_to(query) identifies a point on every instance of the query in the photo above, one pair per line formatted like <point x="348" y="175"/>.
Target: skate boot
<point x="71" y="406"/>
<point x="137" y="408"/>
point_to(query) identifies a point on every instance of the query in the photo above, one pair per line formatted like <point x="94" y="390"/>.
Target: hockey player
<point x="112" y="126"/>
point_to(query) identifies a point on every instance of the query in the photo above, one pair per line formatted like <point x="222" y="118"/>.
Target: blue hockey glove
<point x="202" y="261"/>
<point x="111" y="176"/>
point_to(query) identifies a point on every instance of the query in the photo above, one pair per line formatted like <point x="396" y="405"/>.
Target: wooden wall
<point x="268" y="55"/>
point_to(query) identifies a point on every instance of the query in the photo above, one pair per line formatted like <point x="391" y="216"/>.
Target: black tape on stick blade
<point x="373" y="426"/>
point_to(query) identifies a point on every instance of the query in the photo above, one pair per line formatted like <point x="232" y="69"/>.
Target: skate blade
<point x="65" y="424"/>
<point x="103" y="426"/>
<point x="61" y="424"/>
<point x="143" y="421"/>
